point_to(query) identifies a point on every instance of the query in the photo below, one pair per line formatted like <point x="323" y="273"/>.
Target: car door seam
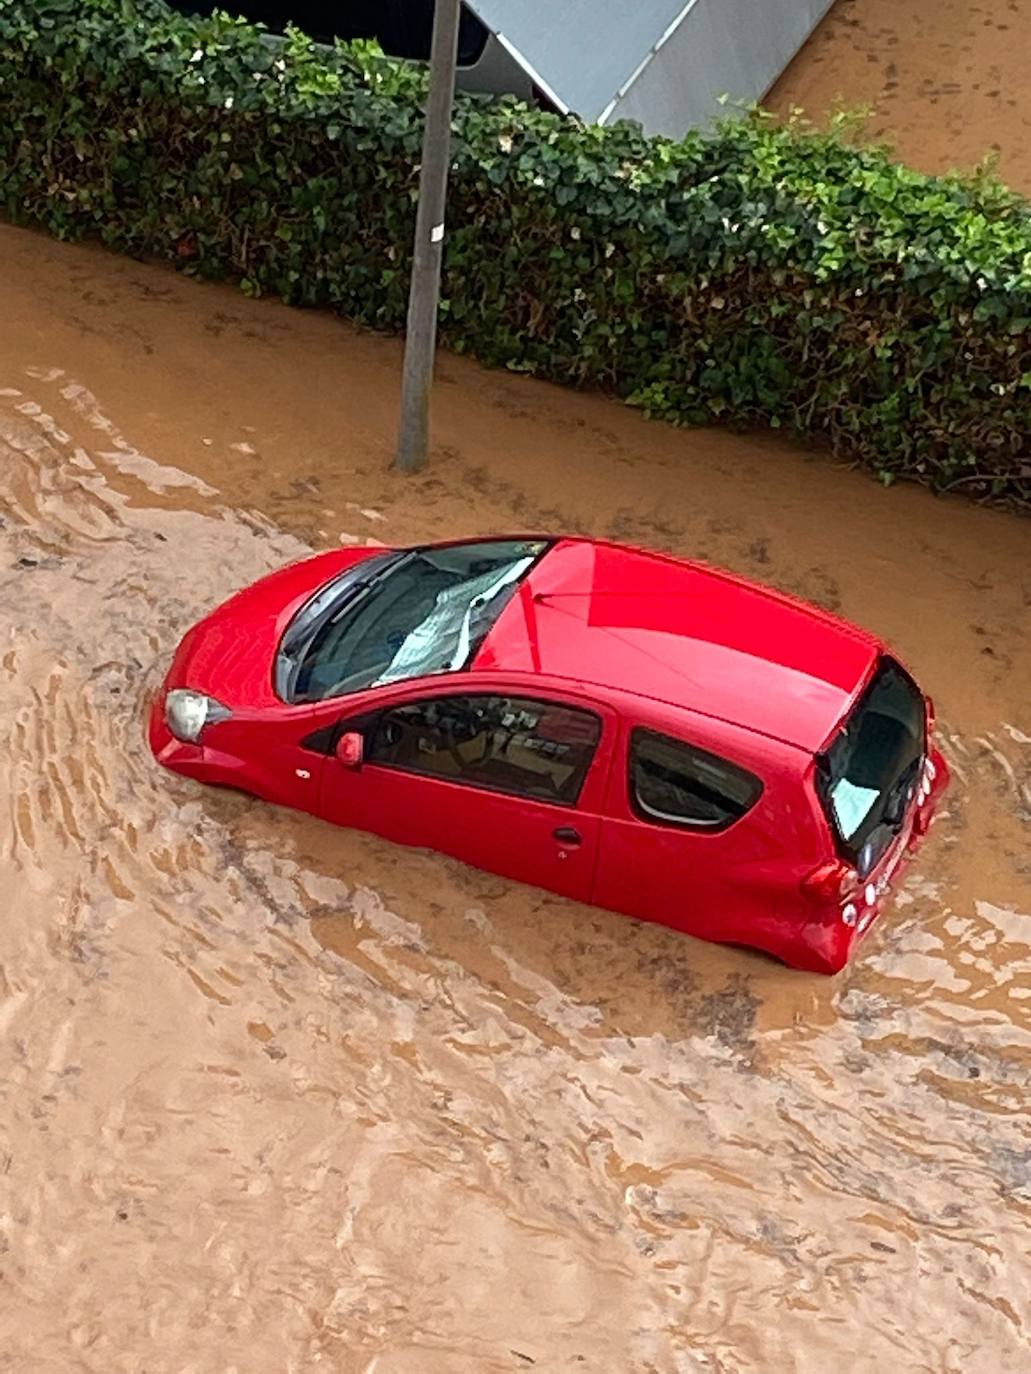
<point x="618" y="729"/>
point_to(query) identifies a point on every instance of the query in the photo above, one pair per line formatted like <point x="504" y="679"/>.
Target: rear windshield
<point x="867" y="777"/>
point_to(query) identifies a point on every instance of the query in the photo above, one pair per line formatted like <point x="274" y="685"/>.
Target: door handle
<point x="566" y="834"/>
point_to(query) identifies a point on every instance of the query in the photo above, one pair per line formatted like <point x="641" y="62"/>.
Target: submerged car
<point x="620" y="727"/>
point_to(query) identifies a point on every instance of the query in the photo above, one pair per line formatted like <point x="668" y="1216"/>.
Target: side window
<point x="676" y="784"/>
<point x="508" y="744"/>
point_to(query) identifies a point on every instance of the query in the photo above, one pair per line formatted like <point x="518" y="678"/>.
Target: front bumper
<point x="198" y="761"/>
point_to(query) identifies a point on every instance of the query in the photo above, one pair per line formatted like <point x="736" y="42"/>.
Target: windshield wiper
<point x="311" y="618"/>
<point x="897" y="800"/>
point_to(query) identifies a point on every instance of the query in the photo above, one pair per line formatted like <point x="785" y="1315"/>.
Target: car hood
<point x="229" y="655"/>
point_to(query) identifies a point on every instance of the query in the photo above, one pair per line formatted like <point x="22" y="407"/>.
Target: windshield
<point x="869" y="774"/>
<point x="422" y="612"/>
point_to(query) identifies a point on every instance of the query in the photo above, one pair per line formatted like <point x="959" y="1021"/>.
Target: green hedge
<point x="758" y="276"/>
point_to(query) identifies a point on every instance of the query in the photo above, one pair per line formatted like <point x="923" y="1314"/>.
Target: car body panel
<point x="261" y="752"/>
<point x="679" y="632"/>
<point x="740" y="884"/>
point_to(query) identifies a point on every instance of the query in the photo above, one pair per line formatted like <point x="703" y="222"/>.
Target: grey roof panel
<point x="584" y="51"/>
<point x="733" y="48"/>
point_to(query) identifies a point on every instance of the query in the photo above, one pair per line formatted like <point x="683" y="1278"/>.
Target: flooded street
<point x="280" y="1097"/>
<point x="944" y="80"/>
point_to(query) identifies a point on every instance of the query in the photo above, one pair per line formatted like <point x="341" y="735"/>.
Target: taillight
<point x="831" y="882"/>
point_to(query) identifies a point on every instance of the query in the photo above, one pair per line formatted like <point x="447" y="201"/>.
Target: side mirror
<point x="350" y="749"/>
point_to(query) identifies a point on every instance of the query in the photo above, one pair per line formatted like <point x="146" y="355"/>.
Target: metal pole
<point x="421" y="335"/>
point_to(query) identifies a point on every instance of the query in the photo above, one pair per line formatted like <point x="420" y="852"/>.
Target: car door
<point x="505" y="780"/>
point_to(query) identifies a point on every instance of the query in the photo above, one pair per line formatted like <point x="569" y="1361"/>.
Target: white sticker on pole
<point x="436" y="233"/>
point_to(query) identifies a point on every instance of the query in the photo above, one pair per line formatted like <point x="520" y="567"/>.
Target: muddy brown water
<point x="278" y="1097"/>
<point x="945" y="81"/>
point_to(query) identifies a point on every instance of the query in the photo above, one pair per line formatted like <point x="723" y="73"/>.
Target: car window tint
<point x="509" y="744"/>
<point x="677" y="784"/>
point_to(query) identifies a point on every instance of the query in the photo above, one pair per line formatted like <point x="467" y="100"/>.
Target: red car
<point x="619" y="727"/>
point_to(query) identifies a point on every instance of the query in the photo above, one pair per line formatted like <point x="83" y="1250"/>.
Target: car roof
<point x="623" y="619"/>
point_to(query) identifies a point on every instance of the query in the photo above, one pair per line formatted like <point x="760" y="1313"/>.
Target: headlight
<point x="188" y="712"/>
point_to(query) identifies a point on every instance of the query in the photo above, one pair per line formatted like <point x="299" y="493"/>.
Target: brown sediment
<point x="277" y="1096"/>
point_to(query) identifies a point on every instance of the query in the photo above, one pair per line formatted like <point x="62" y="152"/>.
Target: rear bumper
<point x="826" y="944"/>
<point x="886" y="875"/>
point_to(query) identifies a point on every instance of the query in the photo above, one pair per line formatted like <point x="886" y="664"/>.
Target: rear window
<point x="674" y="783"/>
<point x="867" y="777"/>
